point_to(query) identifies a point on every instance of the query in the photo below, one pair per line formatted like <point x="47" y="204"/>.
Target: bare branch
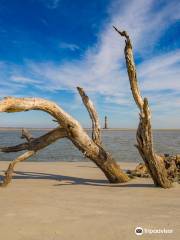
<point x="131" y="69"/>
<point x="8" y="174"/>
<point x="154" y="162"/>
<point x="27" y="135"/>
<point x="74" y="132"/>
<point x="38" y="143"/>
<point x="96" y="129"/>
<point x="16" y="148"/>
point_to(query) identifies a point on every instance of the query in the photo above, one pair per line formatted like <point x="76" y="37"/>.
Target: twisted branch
<point x="154" y="162"/>
<point x="70" y="128"/>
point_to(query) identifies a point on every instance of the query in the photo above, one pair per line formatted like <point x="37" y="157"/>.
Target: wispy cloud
<point x="24" y="80"/>
<point x="69" y="46"/>
<point x="102" y="67"/>
<point x="102" y="71"/>
<point x="161" y="72"/>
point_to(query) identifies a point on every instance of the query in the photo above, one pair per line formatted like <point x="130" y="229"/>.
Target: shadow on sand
<point x="68" y="180"/>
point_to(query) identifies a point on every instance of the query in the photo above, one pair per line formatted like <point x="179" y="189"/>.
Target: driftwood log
<point x="162" y="168"/>
<point x="69" y="128"/>
<point x="172" y="164"/>
<point x="139" y="171"/>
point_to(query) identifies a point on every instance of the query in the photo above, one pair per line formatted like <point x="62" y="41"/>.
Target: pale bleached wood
<point x="74" y="132"/>
<point x="154" y="162"/>
<point x="96" y="128"/>
<point x="131" y="69"/>
<point x="8" y="174"/>
<point x="33" y="145"/>
<point x="27" y="135"/>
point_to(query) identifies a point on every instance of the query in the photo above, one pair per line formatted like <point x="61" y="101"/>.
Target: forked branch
<point x="38" y="143"/>
<point x="70" y="128"/>
<point x="27" y="135"/>
<point x="154" y="162"/>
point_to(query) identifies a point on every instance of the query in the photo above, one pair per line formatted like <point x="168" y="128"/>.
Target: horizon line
<point x="86" y="128"/>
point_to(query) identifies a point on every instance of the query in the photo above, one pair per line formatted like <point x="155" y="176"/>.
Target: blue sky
<point x="48" y="47"/>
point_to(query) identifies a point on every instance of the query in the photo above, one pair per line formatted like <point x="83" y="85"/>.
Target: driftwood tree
<point x="69" y="128"/>
<point x="162" y="168"/>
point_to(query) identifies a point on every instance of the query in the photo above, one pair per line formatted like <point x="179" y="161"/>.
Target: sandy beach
<point x="54" y="201"/>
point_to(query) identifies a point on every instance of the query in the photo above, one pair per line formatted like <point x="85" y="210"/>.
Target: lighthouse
<point x="105" y="123"/>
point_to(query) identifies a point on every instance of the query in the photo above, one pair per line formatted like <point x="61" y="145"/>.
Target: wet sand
<point x="69" y="201"/>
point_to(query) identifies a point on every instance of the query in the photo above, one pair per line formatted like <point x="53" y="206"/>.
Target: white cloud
<point x="161" y="72"/>
<point x="101" y="70"/>
<point x="24" y="80"/>
<point x="70" y="46"/>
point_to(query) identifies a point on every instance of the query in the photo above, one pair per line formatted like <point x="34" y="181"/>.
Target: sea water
<point x="120" y="143"/>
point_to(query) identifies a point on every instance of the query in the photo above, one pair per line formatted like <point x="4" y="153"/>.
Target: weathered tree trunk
<point x="154" y="162"/>
<point x="70" y="128"/>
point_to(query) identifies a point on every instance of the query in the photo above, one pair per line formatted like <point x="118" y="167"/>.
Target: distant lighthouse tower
<point x="105" y="123"/>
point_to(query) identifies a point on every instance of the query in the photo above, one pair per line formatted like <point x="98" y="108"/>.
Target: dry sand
<point x="69" y="201"/>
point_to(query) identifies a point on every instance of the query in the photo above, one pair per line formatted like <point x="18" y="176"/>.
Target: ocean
<point x="119" y="143"/>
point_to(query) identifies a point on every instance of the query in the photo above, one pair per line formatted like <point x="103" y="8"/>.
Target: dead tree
<point x="161" y="167"/>
<point x="69" y="128"/>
